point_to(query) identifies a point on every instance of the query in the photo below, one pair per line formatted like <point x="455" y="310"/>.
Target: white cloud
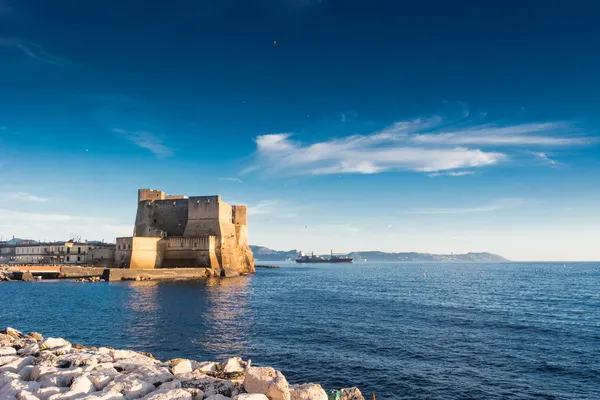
<point x="237" y="180"/>
<point x="496" y="205"/>
<point x="545" y="158"/>
<point x="452" y="173"/>
<point x="32" y="50"/>
<point x="146" y="140"/>
<point x="11" y="215"/>
<point x="424" y="144"/>
<point x="263" y="207"/>
<point x="23" y="196"/>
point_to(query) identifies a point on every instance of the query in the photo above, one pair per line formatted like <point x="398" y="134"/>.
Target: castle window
<point x="182" y="243"/>
<point x="154" y="220"/>
<point x="128" y="247"/>
<point x="195" y="244"/>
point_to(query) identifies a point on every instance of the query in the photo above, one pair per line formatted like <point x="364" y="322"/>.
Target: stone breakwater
<point x="36" y="368"/>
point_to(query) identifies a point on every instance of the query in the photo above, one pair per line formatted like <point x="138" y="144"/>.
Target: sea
<point x="399" y="330"/>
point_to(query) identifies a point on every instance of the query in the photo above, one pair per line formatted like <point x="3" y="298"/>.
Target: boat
<point x="312" y="259"/>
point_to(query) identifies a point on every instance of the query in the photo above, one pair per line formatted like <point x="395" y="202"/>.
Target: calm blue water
<point x="467" y="331"/>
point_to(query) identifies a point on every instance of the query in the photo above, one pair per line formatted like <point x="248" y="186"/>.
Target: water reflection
<point x="207" y="320"/>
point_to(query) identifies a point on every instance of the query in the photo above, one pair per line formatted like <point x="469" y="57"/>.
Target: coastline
<point x="36" y="368"/>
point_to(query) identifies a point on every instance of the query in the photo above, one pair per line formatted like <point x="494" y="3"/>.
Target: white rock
<point x="30" y="349"/>
<point x="39" y="370"/>
<point x="166" y="394"/>
<point x="7" y="351"/>
<point x="181" y="367"/>
<point x="207" y="384"/>
<point x="17" y="364"/>
<point x="25" y="395"/>
<point x="61" y="350"/>
<point x="13" y="332"/>
<point x="131" y="363"/>
<point x="250" y="396"/>
<point x="234" y="364"/>
<point x="267" y="381"/>
<point x="170" y="385"/>
<point x="7" y="359"/>
<point x="218" y="397"/>
<point x="121" y="354"/>
<point x="351" y="394"/>
<point x="110" y="395"/>
<point x="308" y="391"/>
<point x="100" y="378"/>
<point x="152" y="374"/>
<point x="130" y="387"/>
<point x="82" y="384"/>
<point x="6" y="377"/>
<point x="25" y="372"/>
<point x="205" y="366"/>
<point x="46" y="393"/>
<point x="15" y="386"/>
<point x="59" y="378"/>
<point x="51" y="343"/>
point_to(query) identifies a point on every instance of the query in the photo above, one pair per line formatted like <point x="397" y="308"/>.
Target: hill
<point x="265" y="254"/>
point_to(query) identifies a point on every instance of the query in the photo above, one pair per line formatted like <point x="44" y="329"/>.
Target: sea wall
<point x="36" y="368"/>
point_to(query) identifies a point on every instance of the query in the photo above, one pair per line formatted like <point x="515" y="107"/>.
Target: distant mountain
<point x="266" y="254"/>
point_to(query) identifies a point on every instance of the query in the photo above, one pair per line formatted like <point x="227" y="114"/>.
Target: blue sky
<point x="427" y="126"/>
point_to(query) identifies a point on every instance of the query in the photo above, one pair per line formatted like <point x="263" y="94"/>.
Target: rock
<point x="7" y="359"/>
<point x="46" y="359"/>
<point x="6" y="377"/>
<point x="39" y="370"/>
<point x="129" y="364"/>
<point x="52" y="343"/>
<point x="35" y="336"/>
<point x="25" y="372"/>
<point x="130" y="387"/>
<point x="250" y="396"/>
<point x="196" y="394"/>
<point x="12" y="388"/>
<point x="32" y="349"/>
<point x="168" y="394"/>
<point x="351" y="394"/>
<point x="308" y="391"/>
<point x="207" y="384"/>
<point x="229" y="273"/>
<point x="267" y="381"/>
<point x="152" y="374"/>
<point x="16" y="365"/>
<point x="12" y="333"/>
<point x="179" y="366"/>
<point x="83" y="385"/>
<point x="121" y="354"/>
<point x="7" y="351"/>
<point x="100" y="378"/>
<point x="170" y="385"/>
<point x="218" y="397"/>
<point x="206" y="366"/>
<point x="46" y="393"/>
<point x="60" y="378"/>
<point x="105" y="396"/>
<point x="234" y="364"/>
<point x="25" y="395"/>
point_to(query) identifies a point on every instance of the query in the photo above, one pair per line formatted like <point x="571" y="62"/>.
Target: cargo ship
<point x="312" y="259"/>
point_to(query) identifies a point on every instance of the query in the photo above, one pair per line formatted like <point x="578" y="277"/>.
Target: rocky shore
<point x="36" y="368"/>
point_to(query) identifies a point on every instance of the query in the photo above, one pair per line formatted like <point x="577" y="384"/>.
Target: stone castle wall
<point x="192" y="232"/>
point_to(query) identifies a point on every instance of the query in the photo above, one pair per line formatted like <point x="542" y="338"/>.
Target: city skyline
<point x="350" y="126"/>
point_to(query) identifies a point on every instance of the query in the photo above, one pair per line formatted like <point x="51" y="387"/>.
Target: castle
<point x="192" y="232"/>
